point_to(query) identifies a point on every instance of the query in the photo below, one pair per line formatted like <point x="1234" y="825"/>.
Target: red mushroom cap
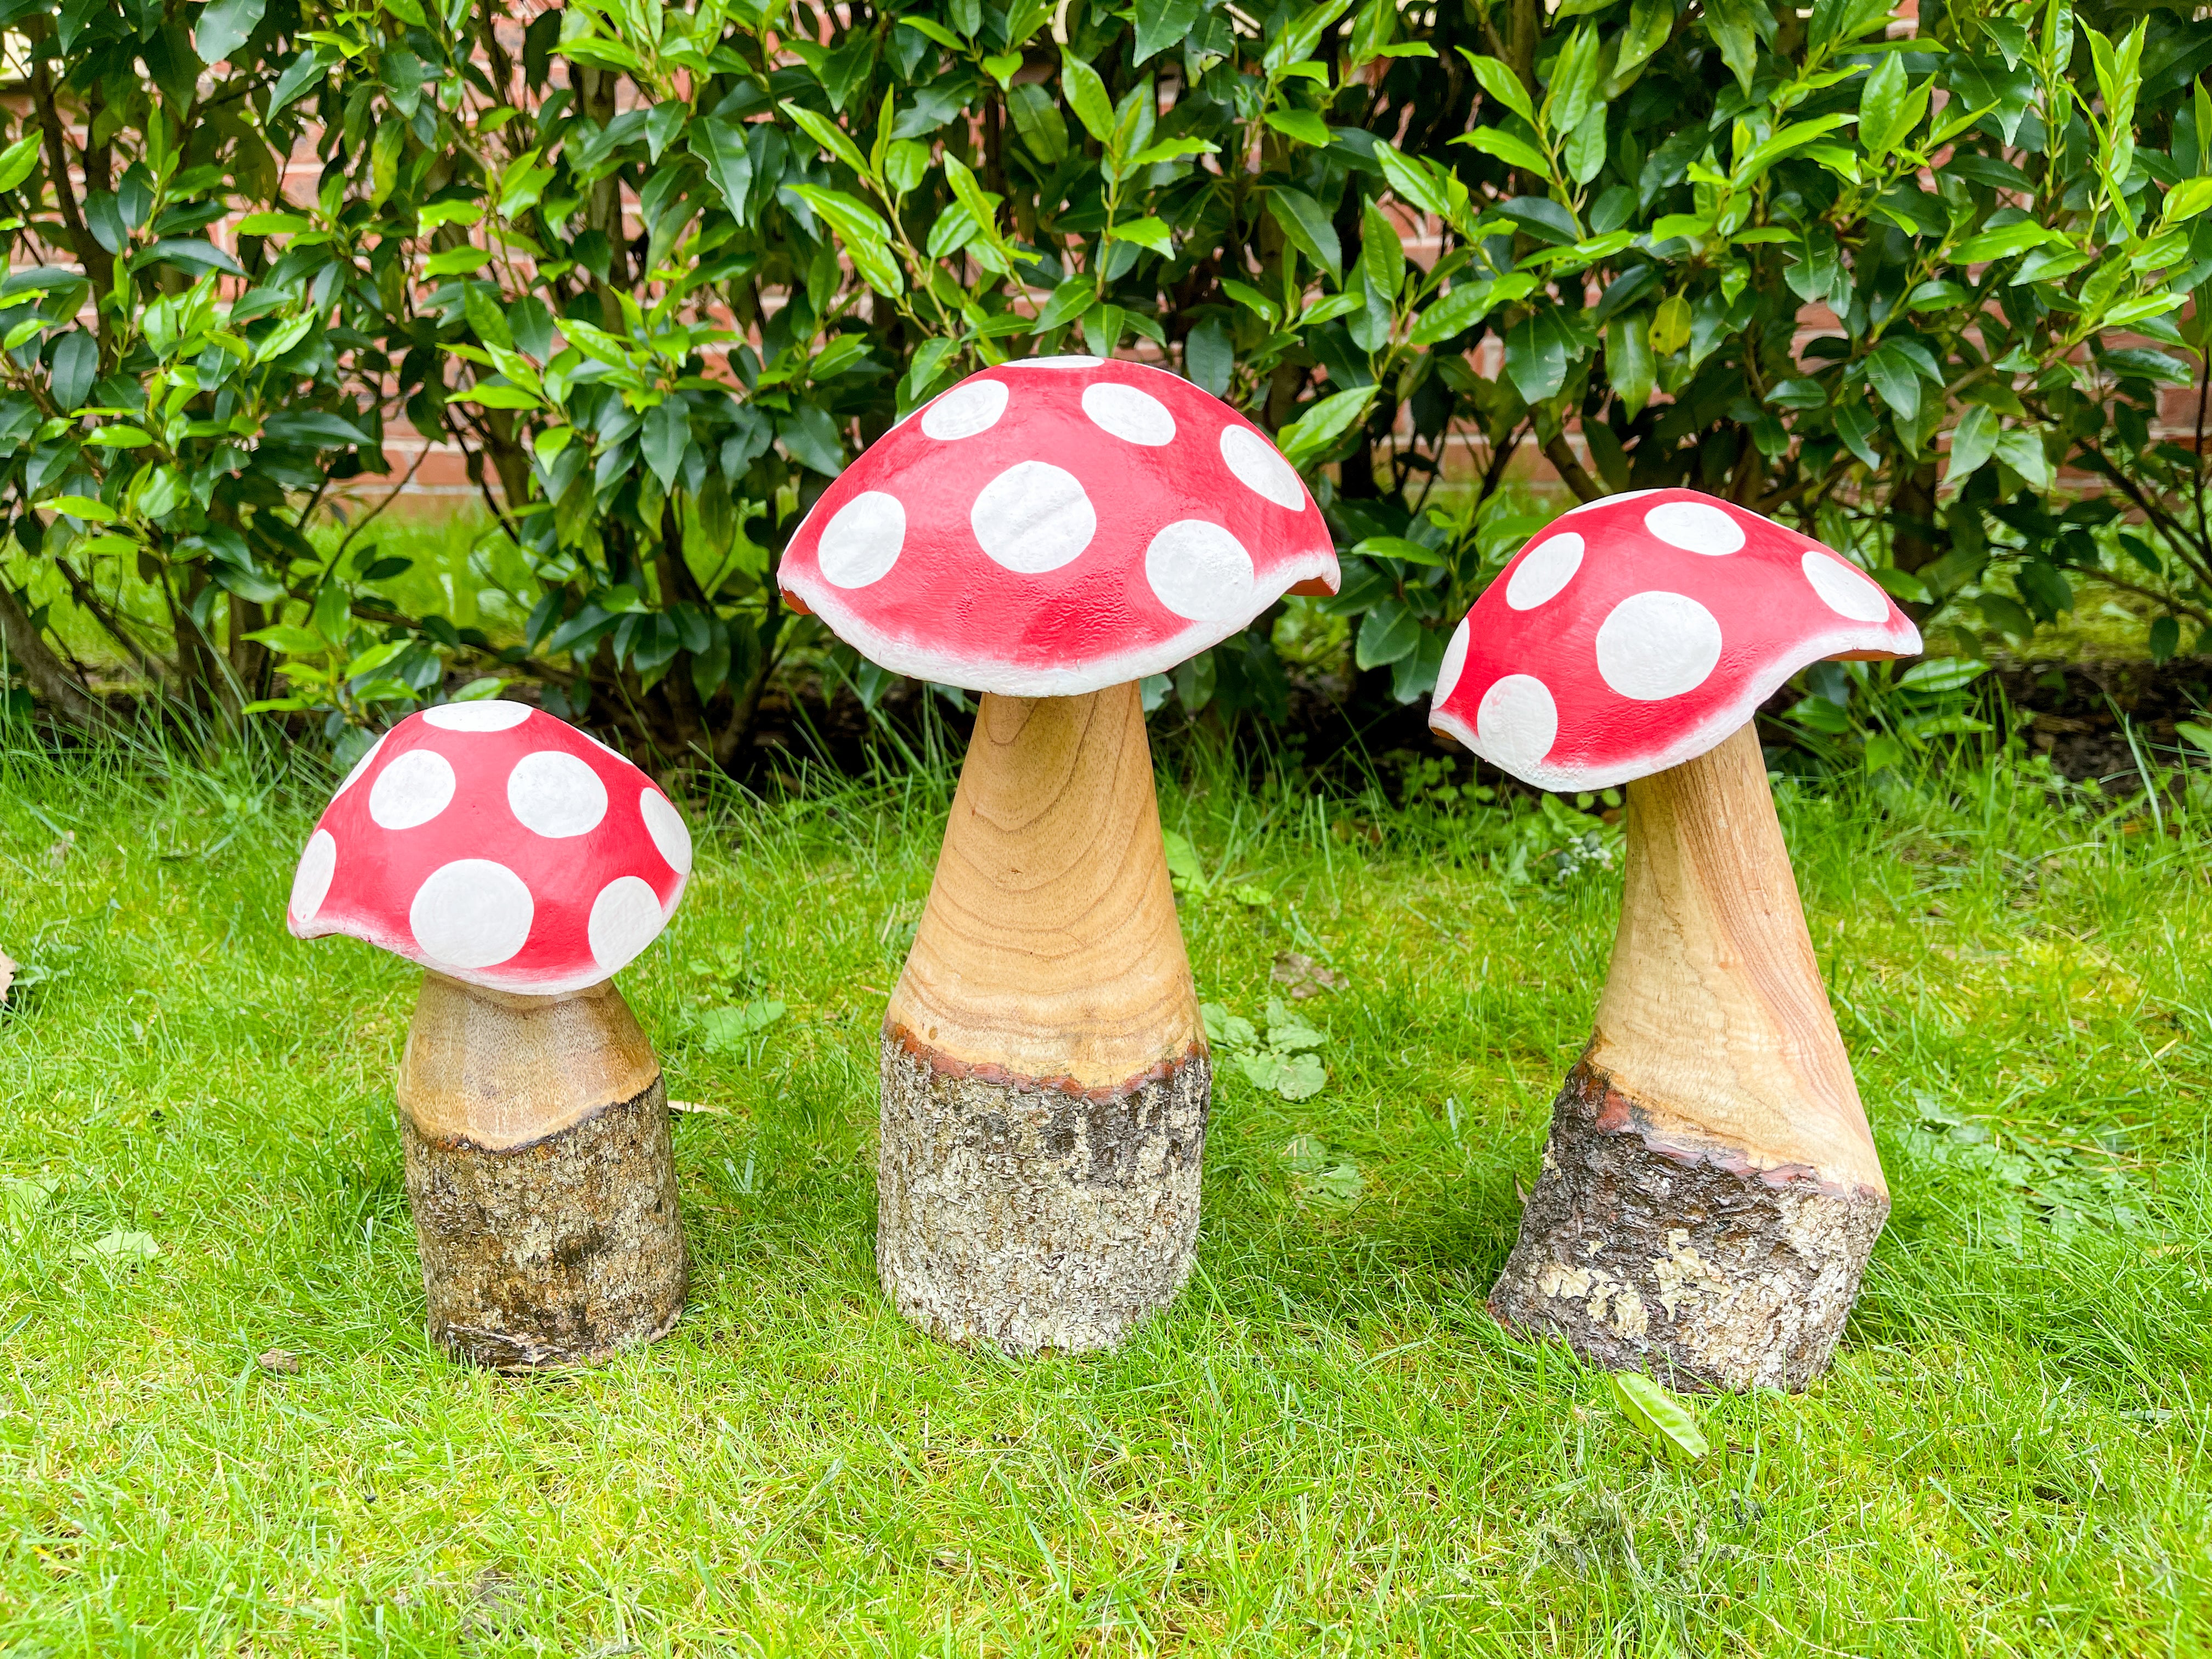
<point x="1055" y="525"/>
<point x="498" y="845"/>
<point x="1635" y="633"/>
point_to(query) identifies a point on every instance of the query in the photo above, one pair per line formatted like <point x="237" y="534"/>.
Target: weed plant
<point x="1326" y="1446"/>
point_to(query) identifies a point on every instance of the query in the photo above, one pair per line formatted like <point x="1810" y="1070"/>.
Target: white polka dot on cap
<point x="671" y="836"/>
<point x="971" y="407"/>
<point x="471" y="914"/>
<point x="1200" y="571"/>
<point x="1454" y="663"/>
<point x="862" y="541"/>
<point x="1657" y="644"/>
<point x="626" y="917"/>
<point x="1695" y="528"/>
<point x="1130" y="414"/>
<point x="1544" y="569"/>
<point x="1843" y="589"/>
<point x="487" y="714"/>
<point x="311" y="882"/>
<point x="412" y="791"/>
<point x="1518" y="722"/>
<point x="556" y="794"/>
<point x="1033" y="517"/>
<point x="1260" y="467"/>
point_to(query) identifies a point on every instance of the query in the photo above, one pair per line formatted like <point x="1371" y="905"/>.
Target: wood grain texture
<point x="1049" y="951"/>
<point x="1715" y="1027"/>
<point x="499" y="1071"/>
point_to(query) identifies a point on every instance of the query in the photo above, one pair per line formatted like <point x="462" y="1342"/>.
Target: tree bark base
<point x="1033" y="1217"/>
<point x="560" y="1252"/>
<point x="1644" y="1258"/>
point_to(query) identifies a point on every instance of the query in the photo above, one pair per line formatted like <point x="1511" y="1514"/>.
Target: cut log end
<point x="1031" y="1217"/>
<point x="560" y="1252"/>
<point x="1705" y="1276"/>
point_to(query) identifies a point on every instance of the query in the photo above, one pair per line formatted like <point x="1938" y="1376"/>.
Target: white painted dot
<point x="1131" y="415"/>
<point x="490" y="714"/>
<point x="666" y="827"/>
<point x="471" y="914"/>
<point x="626" y="917"/>
<point x="862" y="541"/>
<point x="1608" y="501"/>
<point x="1200" y="572"/>
<point x="1695" y="528"/>
<point x="311" y="882"/>
<point x="1843" y="589"/>
<point x="1054" y="362"/>
<point x="971" y="407"/>
<point x="1260" y="468"/>
<point x="362" y="765"/>
<point x="1033" y="517"/>
<point x="1455" y="659"/>
<point x="556" y="795"/>
<point x="411" y="791"/>
<point x="1657" y="645"/>
<point x="1516" y="723"/>
<point x="1544" y="569"/>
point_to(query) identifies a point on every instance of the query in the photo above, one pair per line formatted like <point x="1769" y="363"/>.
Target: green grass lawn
<point x="1325" y="1447"/>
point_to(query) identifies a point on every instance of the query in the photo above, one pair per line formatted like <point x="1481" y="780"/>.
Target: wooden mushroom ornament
<point x="522" y="864"/>
<point x="1709" y="1192"/>
<point x="1047" y="534"/>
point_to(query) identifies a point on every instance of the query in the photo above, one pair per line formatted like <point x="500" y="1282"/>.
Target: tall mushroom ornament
<point x="1047" y="534"/>
<point x="1709" y="1192"/>
<point x="522" y="864"/>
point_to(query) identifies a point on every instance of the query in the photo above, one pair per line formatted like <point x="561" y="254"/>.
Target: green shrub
<point x="660" y="272"/>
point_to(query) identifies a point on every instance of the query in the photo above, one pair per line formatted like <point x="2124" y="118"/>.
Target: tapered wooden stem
<point x="1710" y="1191"/>
<point x="542" y="1175"/>
<point x="1045" y="1084"/>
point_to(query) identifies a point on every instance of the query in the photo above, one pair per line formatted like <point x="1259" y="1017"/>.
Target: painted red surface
<point x="1056" y="526"/>
<point x="1636" y="632"/>
<point x="495" y="843"/>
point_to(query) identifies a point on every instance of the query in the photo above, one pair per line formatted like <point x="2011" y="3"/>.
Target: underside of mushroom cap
<point x="490" y="842"/>
<point x="1636" y="632"/>
<point x="1055" y="525"/>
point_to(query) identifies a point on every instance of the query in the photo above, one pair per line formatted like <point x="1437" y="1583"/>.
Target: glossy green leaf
<point x="1323" y="422"/>
<point x="18" y="159"/>
<point x="1086" y="96"/>
<point x="224" y="26"/>
<point x="1307" y="226"/>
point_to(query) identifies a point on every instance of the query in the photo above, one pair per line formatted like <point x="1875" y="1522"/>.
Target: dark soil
<point x="2081" y="715"/>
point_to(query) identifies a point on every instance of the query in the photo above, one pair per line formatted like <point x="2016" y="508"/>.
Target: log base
<point x="1706" y="1276"/>
<point x="559" y="1252"/>
<point x="1031" y="1217"/>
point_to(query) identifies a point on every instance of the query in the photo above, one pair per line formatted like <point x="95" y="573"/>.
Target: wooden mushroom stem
<point x="1711" y="1191"/>
<point x="1044" y="1075"/>
<point x="541" y="1172"/>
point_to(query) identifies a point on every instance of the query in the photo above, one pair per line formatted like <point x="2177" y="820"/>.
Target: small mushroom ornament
<point x="1047" y="534"/>
<point x="522" y="864"/>
<point x="1709" y="1192"/>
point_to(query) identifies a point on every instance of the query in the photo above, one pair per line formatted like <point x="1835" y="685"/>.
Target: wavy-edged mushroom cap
<point x="1055" y="525"/>
<point x="1635" y="633"/>
<point x="494" y="843"/>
